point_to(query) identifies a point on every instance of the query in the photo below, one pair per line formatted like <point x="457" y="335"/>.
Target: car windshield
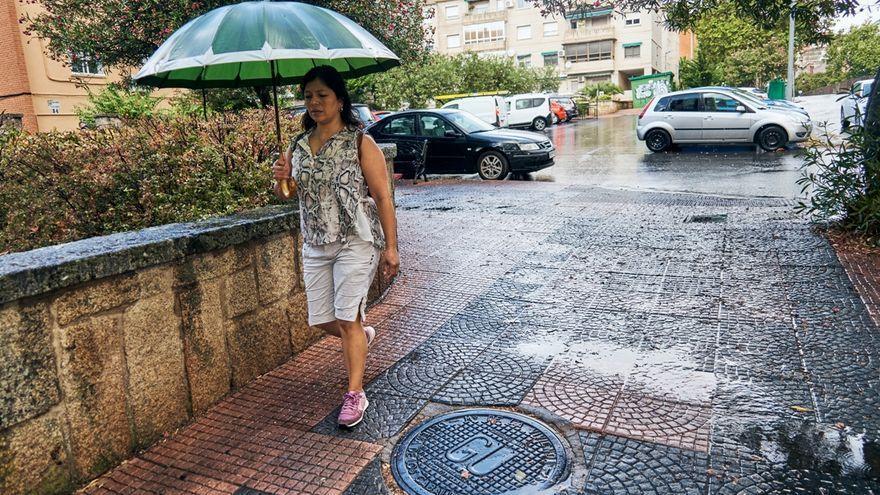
<point x="468" y="122"/>
<point x="754" y="100"/>
<point x="866" y="88"/>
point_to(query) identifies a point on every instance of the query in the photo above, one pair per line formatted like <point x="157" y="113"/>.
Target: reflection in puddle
<point x="808" y="446"/>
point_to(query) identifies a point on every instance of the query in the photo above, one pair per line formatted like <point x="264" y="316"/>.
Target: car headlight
<point x="529" y="146"/>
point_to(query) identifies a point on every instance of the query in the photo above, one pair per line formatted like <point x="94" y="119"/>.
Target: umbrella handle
<point x="283" y="184"/>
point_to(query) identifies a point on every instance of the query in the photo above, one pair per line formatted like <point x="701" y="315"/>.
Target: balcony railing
<point x="588" y="34"/>
<point x="490" y="16"/>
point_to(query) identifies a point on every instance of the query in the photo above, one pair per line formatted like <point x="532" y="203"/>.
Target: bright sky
<point x="869" y="11"/>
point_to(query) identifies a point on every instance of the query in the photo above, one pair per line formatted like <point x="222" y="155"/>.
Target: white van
<point x="490" y="109"/>
<point x="529" y="110"/>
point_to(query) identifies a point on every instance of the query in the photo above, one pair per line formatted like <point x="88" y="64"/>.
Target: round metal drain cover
<point x="479" y="451"/>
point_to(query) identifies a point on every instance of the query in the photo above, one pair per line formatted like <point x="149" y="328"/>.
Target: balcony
<point x="491" y="16"/>
<point x="588" y="34"/>
<point x="485" y="46"/>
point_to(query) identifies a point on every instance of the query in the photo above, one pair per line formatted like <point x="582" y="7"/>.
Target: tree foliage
<point x="122" y="33"/>
<point x="415" y="83"/>
<point x="856" y="53"/>
<point x="734" y="51"/>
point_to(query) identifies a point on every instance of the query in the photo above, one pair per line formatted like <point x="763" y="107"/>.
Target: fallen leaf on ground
<point x="839" y="425"/>
<point x="802" y="409"/>
<point x="520" y="475"/>
<point x="465" y="474"/>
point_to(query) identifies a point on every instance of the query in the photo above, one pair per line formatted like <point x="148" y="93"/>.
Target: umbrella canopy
<point x="263" y="44"/>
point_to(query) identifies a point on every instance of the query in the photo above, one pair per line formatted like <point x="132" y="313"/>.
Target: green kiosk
<point x="646" y="87"/>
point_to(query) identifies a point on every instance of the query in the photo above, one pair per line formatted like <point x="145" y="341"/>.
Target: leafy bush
<point x="841" y="182"/>
<point x="61" y="186"/>
<point x="808" y="82"/>
<point x="607" y="90"/>
<point x="118" y="101"/>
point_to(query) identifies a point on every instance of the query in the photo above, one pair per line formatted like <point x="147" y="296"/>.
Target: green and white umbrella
<point x="263" y="44"/>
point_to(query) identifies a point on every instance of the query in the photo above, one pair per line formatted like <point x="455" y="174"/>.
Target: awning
<point x="586" y="14"/>
<point x="630" y="45"/>
<point x="551" y="52"/>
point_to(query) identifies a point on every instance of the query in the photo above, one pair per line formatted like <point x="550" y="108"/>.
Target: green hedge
<point x="57" y="187"/>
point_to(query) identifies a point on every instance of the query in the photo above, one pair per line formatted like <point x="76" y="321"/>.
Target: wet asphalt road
<point x="606" y="153"/>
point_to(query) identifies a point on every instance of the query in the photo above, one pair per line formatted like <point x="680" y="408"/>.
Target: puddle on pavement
<point x="666" y="373"/>
<point x="841" y="453"/>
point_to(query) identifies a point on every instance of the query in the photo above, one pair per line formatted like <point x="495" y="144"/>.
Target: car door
<point x="683" y="114"/>
<point x="400" y="130"/>
<point x="721" y="120"/>
<point x="446" y="153"/>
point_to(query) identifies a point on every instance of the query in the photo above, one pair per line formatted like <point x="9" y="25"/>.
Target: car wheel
<point x="539" y="124"/>
<point x="844" y="122"/>
<point x="772" y="138"/>
<point x="658" y="140"/>
<point x="492" y="165"/>
<point x="555" y="120"/>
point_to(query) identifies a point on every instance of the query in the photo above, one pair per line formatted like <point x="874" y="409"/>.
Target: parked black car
<point x="459" y="142"/>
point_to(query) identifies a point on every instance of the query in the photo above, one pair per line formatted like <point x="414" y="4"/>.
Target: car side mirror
<point x="741" y="109"/>
<point x="451" y="133"/>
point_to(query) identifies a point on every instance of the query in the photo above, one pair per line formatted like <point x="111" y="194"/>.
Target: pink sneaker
<point x="353" y="406"/>
<point x="371" y="334"/>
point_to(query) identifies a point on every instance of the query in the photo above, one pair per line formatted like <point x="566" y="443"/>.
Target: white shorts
<point x="338" y="277"/>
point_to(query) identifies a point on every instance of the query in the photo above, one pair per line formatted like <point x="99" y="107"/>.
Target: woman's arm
<point x="373" y="165"/>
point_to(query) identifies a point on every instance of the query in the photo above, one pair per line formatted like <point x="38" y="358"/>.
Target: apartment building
<point x="37" y="92"/>
<point x="585" y="46"/>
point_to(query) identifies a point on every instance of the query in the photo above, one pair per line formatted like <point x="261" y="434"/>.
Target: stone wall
<point x="108" y="343"/>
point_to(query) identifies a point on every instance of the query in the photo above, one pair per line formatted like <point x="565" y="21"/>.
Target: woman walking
<point x="347" y="218"/>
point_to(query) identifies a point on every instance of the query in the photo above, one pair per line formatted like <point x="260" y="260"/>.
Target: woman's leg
<point x="354" y="348"/>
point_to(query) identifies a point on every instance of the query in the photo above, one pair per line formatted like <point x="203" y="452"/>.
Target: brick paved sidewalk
<point x="692" y="344"/>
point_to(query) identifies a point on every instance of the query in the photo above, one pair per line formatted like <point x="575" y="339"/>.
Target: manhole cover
<point x="479" y="451"/>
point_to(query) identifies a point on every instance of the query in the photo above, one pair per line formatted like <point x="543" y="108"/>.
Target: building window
<point x="524" y="32"/>
<point x="452" y="12"/>
<point x="589" y="52"/>
<point x="484" y="33"/>
<point x="480" y="7"/>
<point x="524" y="60"/>
<point x="633" y="22"/>
<point x="632" y="51"/>
<point x="55" y="106"/>
<point x="551" y="60"/>
<point x="521" y="4"/>
<point x="85" y="63"/>
<point x="453" y="41"/>
<point x="551" y="29"/>
<point x="574" y="24"/>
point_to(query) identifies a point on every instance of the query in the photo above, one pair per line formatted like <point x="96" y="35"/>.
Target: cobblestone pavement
<point x="682" y="344"/>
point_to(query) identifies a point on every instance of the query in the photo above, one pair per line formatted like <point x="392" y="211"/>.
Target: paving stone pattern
<point x="730" y="356"/>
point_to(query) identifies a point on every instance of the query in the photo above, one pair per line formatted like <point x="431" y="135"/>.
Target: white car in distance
<point x="854" y="103"/>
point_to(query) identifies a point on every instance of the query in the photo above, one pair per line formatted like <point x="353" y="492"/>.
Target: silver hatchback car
<point x="718" y="117"/>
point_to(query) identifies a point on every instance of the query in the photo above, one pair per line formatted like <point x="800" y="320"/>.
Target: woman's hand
<point x="281" y="167"/>
<point x="390" y="263"/>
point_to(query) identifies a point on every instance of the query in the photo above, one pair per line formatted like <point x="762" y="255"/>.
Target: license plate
<point x="552" y="153"/>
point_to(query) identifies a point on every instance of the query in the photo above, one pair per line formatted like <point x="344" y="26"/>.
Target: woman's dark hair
<point x="333" y="79"/>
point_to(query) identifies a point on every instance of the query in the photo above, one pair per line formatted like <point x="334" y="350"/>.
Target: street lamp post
<point x="789" y="87"/>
